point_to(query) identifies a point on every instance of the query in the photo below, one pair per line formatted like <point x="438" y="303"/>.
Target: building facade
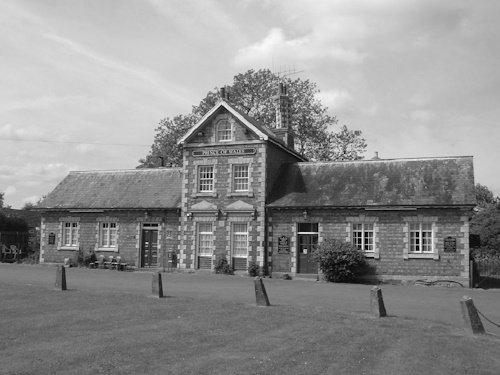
<point x="244" y="194"/>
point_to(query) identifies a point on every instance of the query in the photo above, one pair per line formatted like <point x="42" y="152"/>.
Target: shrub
<point x="83" y="260"/>
<point x="253" y="269"/>
<point x="339" y="261"/>
<point x="78" y="258"/>
<point x="32" y="258"/>
<point x="223" y="267"/>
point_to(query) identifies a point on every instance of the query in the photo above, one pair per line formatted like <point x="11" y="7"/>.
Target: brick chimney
<point x="224" y="93"/>
<point x="283" y="129"/>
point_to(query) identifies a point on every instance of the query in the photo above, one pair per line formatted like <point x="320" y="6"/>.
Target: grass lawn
<point x="43" y="331"/>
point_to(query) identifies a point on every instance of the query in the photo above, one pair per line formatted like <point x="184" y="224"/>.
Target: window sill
<point x="111" y="249"/>
<point x="369" y="255"/>
<point x="423" y="256"/>
<point x="241" y="194"/>
<point x="71" y="248"/>
<point x="208" y="194"/>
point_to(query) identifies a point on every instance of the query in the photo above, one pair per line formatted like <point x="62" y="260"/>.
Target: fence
<point x="486" y="273"/>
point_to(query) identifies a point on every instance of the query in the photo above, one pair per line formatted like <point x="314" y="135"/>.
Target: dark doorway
<point x="307" y="241"/>
<point x="149" y="245"/>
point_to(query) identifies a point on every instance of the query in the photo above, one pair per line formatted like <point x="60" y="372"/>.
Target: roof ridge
<point x="128" y="170"/>
<point x="384" y="160"/>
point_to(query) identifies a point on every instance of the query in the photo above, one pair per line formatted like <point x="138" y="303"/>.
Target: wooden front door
<point x="305" y="250"/>
<point x="149" y="247"/>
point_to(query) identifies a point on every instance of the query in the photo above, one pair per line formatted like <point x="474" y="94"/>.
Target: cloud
<point x="306" y="47"/>
<point x="10" y="190"/>
<point x="422" y="116"/>
<point x="32" y="199"/>
<point x="85" y="148"/>
<point x="10" y="132"/>
<point x="7" y="170"/>
<point x="336" y="99"/>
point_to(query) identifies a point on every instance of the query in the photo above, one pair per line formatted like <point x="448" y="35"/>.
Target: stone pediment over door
<point x="239" y="208"/>
<point x="205" y="209"/>
<point x="204" y="206"/>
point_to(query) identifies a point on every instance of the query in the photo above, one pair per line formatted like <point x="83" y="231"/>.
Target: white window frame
<point x="410" y="250"/>
<point x="421" y="238"/>
<point x="205" y="235"/>
<point x="224" y="130"/>
<point x="106" y="229"/>
<point x="364" y="220"/>
<point x="241" y="180"/>
<point x="73" y="225"/>
<point x="206" y="184"/>
<point x="70" y="234"/>
<point x="240" y="240"/>
<point x="363" y="236"/>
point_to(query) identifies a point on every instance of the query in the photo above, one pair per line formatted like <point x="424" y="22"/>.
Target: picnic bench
<point x="10" y="253"/>
<point x="111" y="263"/>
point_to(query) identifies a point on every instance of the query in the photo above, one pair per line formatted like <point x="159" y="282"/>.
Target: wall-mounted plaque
<point x="450" y="245"/>
<point x="52" y="239"/>
<point x="224" y="152"/>
<point x="283" y="245"/>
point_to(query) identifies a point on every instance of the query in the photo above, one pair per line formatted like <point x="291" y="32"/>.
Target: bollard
<point x="60" y="278"/>
<point x="472" y="320"/>
<point x="260" y="292"/>
<point x="377" y="307"/>
<point x="157" y="288"/>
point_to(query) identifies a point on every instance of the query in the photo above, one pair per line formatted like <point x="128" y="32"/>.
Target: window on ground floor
<point x="108" y="234"/>
<point x="363" y="236"/>
<point x="70" y="234"/>
<point x="205" y="239"/>
<point x="421" y="238"/>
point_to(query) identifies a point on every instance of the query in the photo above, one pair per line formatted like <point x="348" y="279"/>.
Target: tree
<point x="484" y="196"/>
<point x="28" y="206"/>
<point x="252" y="93"/>
<point x="486" y="224"/>
<point x="1" y="198"/>
<point x="165" y="145"/>
<point x="15" y="224"/>
<point x="485" y="221"/>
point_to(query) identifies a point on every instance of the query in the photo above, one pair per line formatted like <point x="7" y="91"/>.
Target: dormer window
<point x="224" y="131"/>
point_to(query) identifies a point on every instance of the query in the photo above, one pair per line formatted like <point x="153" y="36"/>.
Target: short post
<point x="471" y="317"/>
<point x="157" y="288"/>
<point x="260" y="292"/>
<point x="377" y="307"/>
<point x="60" y="278"/>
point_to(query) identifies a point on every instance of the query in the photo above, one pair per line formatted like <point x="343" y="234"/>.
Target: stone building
<point x="245" y="194"/>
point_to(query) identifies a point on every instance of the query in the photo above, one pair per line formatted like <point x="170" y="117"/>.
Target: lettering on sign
<point x="450" y="245"/>
<point x="283" y="245"/>
<point x="224" y="151"/>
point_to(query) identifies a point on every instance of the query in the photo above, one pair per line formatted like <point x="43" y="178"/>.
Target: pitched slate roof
<point x="119" y="189"/>
<point x="447" y="181"/>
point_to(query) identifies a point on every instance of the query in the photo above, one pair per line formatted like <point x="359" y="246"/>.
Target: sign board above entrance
<point x="224" y="151"/>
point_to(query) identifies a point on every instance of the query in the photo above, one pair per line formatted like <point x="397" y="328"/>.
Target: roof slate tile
<point x="119" y="189"/>
<point x="397" y="182"/>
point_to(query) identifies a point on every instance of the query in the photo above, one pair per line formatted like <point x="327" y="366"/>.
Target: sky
<point x="84" y="84"/>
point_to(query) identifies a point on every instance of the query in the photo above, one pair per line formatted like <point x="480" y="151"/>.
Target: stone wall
<point x="128" y="234"/>
<point x="391" y="259"/>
